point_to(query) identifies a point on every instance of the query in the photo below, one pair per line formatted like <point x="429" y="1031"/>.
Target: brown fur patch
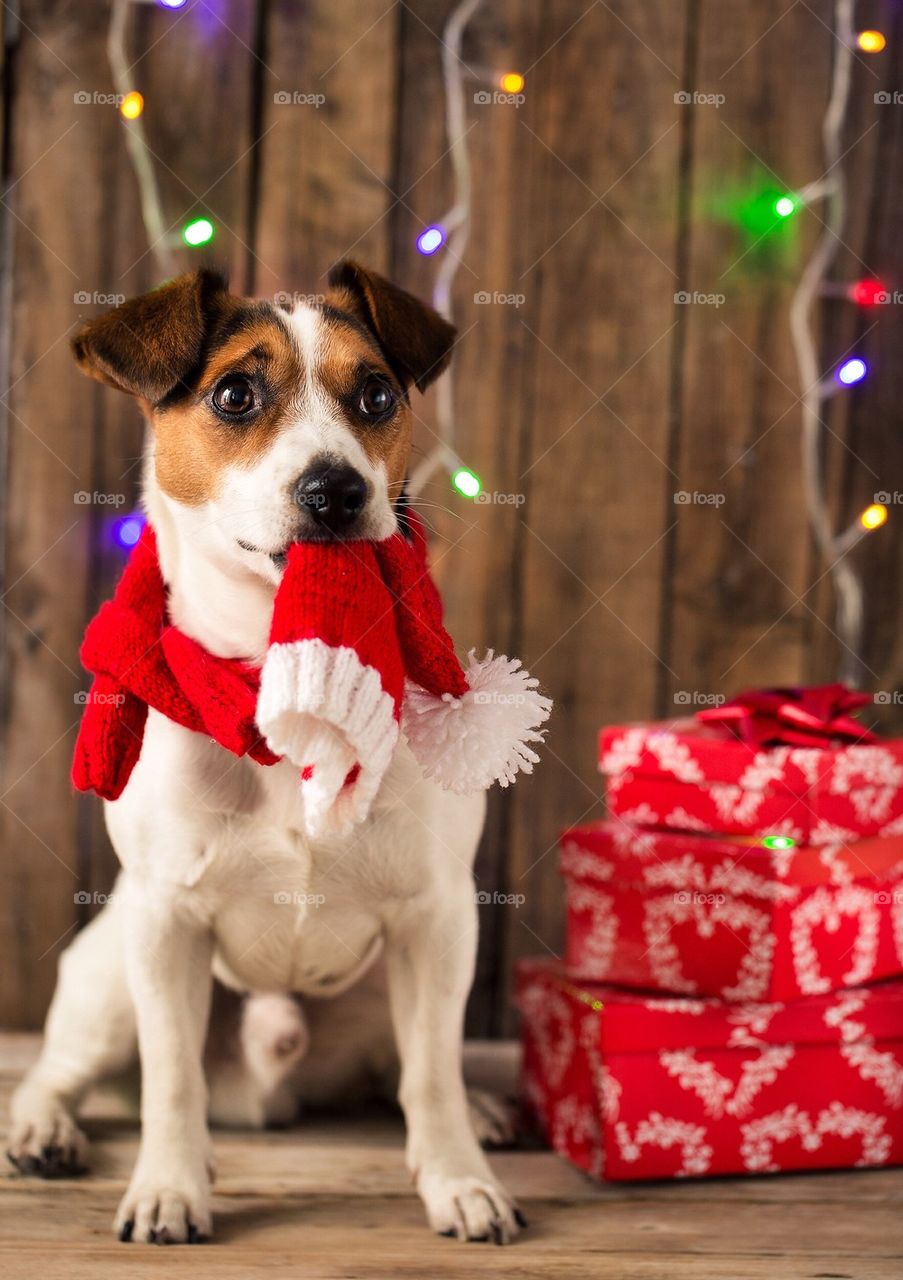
<point x="345" y="351"/>
<point x="194" y="446"/>
<point x="416" y="339"/>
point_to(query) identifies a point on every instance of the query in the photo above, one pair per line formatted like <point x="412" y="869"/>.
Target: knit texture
<point x="357" y="646"/>
<point x="333" y="681"/>
<point x="139" y="660"/>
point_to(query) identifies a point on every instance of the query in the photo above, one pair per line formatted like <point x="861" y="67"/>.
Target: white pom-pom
<point x="468" y="743"/>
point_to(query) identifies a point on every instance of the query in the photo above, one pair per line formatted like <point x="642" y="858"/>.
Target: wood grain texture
<point x="330" y="1200"/>
<point x="593" y="470"/>
<point x="587" y="395"/>
<point x="55" y="150"/>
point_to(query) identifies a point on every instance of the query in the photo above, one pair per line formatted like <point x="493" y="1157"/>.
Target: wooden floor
<point x="331" y="1201"/>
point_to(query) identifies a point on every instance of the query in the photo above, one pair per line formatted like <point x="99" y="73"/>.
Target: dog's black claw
<point x="125" y="1232"/>
<point x="449" y="1234"/>
<point x="478" y="1239"/>
<point x="519" y="1218"/>
<point x="195" y="1236"/>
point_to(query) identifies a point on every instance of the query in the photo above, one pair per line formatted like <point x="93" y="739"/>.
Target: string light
<point x="466" y="482"/>
<point x="512" y="82"/>
<point x="198" y="231"/>
<point x="132" y="105"/>
<point x="785" y="205"/>
<point x="127" y="530"/>
<point x="778" y="842"/>
<point x="851" y="371"/>
<point x="871" y="41"/>
<point x="172" y="4"/>
<point x="868" y="293"/>
<point x="455" y="227"/>
<point x="430" y="241"/>
<point x="833" y="546"/>
<point x="874" y="516"/>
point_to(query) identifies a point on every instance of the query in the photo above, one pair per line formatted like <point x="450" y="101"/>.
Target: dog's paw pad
<point x="48" y="1144"/>
<point x="148" y="1216"/>
<point x="471" y="1209"/>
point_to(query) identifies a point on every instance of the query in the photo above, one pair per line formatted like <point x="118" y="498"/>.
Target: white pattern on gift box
<point x="688" y="872"/>
<point x="574" y="860"/>
<point x="573" y="1123"/>
<point x="761" y="1136"/>
<point x="734" y="804"/>
<point x="834" y="858"/>
<point x="879" y="1066"/>
<point x="858" y="1048"/>
<point x="707" y="912"/>
<point x="826" y="908"/>
<point x="642" y="816"/>
<point x="674" y="757"/>
<point x="549" y="1016"/>
<point x="718" y="1093"/>
<point x="677" y="1004"/>
<point x="871" y="777"/>
<point x="599" y="943"/>
<point x="680" y="820"/>
<point x="750" y="1023"/>
<point x="624" y="753"/>
<point x="665" y="1132"/>
<point x="830" y="833"/>
<point x="812" y="762"/>
<point x="608" y="1089"/>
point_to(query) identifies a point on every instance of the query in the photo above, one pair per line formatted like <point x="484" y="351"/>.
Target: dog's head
<point x="274" y="424"/>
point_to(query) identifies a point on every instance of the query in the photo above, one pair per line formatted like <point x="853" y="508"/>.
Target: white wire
<point x="456" y="224"/>
<point x="832" y="546"/>
<point x="136" y="142"/>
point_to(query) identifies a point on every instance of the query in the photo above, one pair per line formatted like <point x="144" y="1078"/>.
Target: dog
<point x="253" y="406"/>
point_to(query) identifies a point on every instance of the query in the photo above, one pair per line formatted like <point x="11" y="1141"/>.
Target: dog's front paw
<point x="45" y="1141"/>
<point x="469" y="1208"/>
<point x="165" y="1211"/>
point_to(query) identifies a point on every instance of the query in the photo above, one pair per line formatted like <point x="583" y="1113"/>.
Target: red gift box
<point x="635" y="1086"/>
<point x="727" y="917"/>
<point x="684" y="775"/>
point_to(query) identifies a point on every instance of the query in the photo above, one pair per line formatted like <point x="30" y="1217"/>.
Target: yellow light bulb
<point x="874" y="517"/>
<point x="512" y="82"/>
<point x="131" y="106"/>
<point x="871" y="41"/>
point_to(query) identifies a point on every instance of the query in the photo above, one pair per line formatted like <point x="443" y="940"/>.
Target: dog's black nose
<point x="333" y="496"/>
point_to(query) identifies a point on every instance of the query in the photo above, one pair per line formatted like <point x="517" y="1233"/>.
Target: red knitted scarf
<point x="140" y="660"/>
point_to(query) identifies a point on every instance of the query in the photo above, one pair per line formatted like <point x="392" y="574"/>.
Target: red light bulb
<point x="868" y="293"/>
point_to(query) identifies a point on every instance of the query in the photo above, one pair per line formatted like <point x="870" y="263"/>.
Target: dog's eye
<point x="376" y="399"/>
<point x="234" y="396"/>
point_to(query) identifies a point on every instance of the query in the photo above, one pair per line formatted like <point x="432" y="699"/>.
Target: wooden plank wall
<point x="594" y="398"/>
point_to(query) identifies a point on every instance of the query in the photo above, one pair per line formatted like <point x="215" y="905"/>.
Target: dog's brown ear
<point x="148" y="345"/>
<point x="416" y="339"/>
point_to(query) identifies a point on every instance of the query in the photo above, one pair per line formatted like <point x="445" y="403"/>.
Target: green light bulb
<point x="197" y="232"/>
<point x="466" y="482"/>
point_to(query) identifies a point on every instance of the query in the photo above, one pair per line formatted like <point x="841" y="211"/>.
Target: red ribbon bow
<point x="805" y="717"/>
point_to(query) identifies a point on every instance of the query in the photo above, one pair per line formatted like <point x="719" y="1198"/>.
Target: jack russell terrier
<point x="252" y="406"/>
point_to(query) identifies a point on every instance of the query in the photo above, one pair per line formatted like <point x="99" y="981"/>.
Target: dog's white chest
<point x="290" y="927"/>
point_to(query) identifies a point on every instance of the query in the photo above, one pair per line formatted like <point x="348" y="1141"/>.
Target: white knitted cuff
<point x="321" y="707"/>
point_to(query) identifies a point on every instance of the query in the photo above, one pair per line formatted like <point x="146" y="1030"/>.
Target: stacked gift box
<point x="731" y="999"/>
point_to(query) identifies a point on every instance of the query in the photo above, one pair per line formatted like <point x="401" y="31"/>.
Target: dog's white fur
<point x="217" y="878"/>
